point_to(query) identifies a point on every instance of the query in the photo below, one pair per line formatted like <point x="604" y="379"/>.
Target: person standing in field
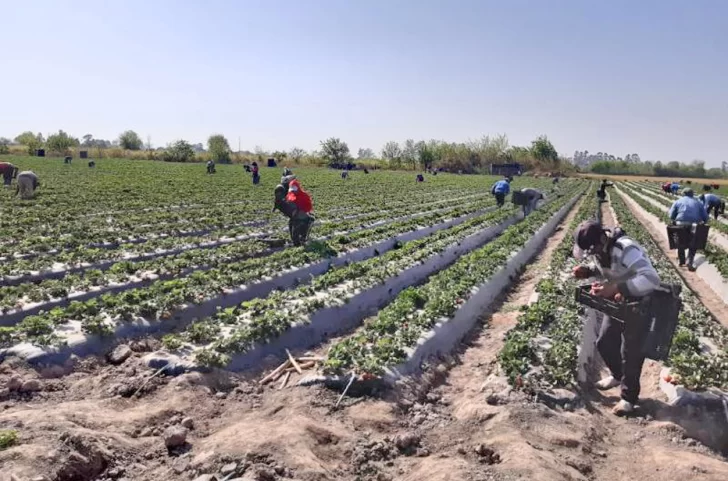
<point x="627" y="273"/>
<point x="712" y="203"/>
<point x="210" y="167"/>
<point x="500" y="190"/>
<point x="27" y="183"/>
<point x="687" y="211"/>
<point x="9" y="172"/>
<point x="256" y="174"/>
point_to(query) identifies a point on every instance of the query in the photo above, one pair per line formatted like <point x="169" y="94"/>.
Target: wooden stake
<point x="293" y="361"/>
<point x="285" y="381"/>
<point x="345" y="390"/>
<point x="311" y="358"/>
<point x="276" y="372"/>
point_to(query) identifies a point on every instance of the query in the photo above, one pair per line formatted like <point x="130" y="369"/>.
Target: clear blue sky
<point x="648" y="76"/>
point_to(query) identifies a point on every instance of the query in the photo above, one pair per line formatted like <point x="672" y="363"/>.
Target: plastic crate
<point x="626" y="311"/>
<point x="678" y="236"/>
<point x="684" y="236"/>
<point x="519" y="198"/>
<point x="700" y="237"/>
<point x="658" y="312"/>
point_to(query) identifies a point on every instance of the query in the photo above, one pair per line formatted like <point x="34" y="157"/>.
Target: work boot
<point x="691" y="264"/>
<point x="607" y="383"/>
<point x="623" y="408"/>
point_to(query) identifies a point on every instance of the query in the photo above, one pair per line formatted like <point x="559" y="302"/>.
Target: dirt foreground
<point x="95" y="420"/>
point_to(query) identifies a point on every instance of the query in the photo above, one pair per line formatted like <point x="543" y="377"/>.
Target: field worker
<point x="256" y="174"/>
<point x="533" y="197"/>
<point x="500" y="190"/>
<point x="674" y="188"/>
<point x="210" y="167"/>
<point x="344" y="174"/>
<point x="713" y="203"/>
<point x="27" y="183"/>
<point x="9" y="172"/>
<point x="627" y="272"/>
<point x="687" y="210"/>
<point x="91" y="164"/>
<point x="667" y="187"/>
<point x="302" y="219"/>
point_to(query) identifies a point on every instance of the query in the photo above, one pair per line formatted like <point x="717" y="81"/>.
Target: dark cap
<point x="586" y="236"/>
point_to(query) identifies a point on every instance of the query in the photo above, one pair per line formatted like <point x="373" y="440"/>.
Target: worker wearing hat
<point x="687" y="210"/>
<point x="626" y="272"/>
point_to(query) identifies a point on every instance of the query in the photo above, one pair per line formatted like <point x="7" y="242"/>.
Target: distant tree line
<point x="632" y="164"/>
<point x="471" y="156"/>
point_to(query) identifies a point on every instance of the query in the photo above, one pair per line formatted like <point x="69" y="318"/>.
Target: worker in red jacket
<point x="8" y="172"/>
<point x="302" y="218"/>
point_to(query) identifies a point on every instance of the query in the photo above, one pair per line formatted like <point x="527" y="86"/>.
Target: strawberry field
<point x="130" y="249"/>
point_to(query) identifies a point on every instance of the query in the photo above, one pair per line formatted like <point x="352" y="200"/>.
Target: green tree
<point x="392" y="153"/>
<point x="32" y="141"/>
<point x="425" y="154"/>
<point x="219" y="148"/>
<point x="365" y="154"/>
<point x="4" y="149"/>
<point x="409" y="153"/>
<point x="334" y="151"/>
<point x="180" y="151"/>
<point x="130" y="140"/>
<point x="543" y="150"/>
<point x="61" y="143"/>
<point x="296" y="154"/>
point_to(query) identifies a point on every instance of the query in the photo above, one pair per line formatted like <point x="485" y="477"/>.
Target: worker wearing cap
<point x="532" y="196"/>
<point x="712" y="202"/>
<point x="500" y="190"/>
<point x="627" y="273"/>
<point x="687" y="210"/>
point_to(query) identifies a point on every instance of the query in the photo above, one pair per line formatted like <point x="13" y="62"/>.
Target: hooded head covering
<point x="586" y="236"/>
<point x="298" y="196"/>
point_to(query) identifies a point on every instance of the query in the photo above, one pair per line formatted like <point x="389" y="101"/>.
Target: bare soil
<point x="87" y="422"/>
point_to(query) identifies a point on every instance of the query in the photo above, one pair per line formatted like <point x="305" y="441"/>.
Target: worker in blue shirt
<point x="712" y="203"/>
<point x="674" y="188"/>
<point x="688" y="210"/>
<point x="500" y="190"/>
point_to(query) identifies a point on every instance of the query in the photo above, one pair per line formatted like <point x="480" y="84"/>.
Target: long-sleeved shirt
<point x="711" y="199"/>
<point x="631" y="269"/>
<point x="501" y="187"/>
<point x="688" y="210"/>
<point x="29" y="174"/>
<point x="532" y="194"/>
<point x="6" y="168"/>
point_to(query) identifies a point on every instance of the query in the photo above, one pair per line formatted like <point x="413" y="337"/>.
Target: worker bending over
<point x="9" y="172"/>
<point x="627" y="273"/>
<point x="532" y="196"/>
<point x="500" y="190"/>
<point x="687" y="211"/>
<point x="27" y="183"/>
<point x="713" y="203"/>
<point x="295" y="203"/>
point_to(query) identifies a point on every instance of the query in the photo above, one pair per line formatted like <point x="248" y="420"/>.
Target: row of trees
<point x="696" y="168"/>
<point x="585" y="159"/>
<point x="471" y="156"/>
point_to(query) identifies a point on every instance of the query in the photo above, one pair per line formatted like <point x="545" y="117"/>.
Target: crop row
<point x="65" y="236"/>
<point x="238" y="329"/>
<point x="256" y="255"/>
<point x="692" y="367"/>
<point x="87" y="256"/>
<point x="555" y="317"/>
<point x="158" y="300"/>
<point x="387" y="340"/>
<point x="713" y="254"/>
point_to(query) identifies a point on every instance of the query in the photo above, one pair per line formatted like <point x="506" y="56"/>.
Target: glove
<point x="582" y="272"/>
